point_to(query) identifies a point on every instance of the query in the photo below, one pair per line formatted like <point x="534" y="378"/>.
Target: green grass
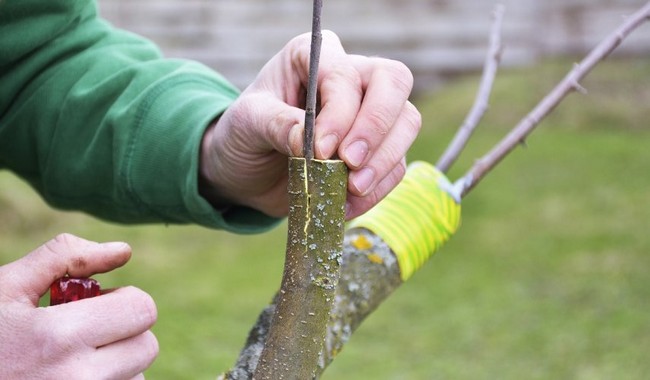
<point x="547" y="278"/>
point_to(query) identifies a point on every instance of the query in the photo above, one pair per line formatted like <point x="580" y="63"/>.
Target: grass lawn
<point x="548" y="277"/>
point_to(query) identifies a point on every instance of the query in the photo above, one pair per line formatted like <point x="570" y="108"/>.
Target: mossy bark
<point x="293" y="346"/>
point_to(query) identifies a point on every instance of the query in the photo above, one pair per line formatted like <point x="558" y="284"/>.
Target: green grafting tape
<point x="416" y="218"/>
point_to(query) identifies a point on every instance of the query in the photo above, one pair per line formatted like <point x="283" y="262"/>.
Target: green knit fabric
<point x="96" y="120"/>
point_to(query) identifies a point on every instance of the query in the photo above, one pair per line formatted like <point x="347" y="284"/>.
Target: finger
<point x="390" y="152"/>
<point x="341" y="93"/>
<point x="357" y="205"/>
<point x="98" y="321"/>
<point x="389" y="85"/>
<point x="30" y="277"/>
<point x="127" y="358"/>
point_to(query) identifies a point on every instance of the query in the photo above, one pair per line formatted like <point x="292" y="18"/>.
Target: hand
<point x="101" y="337"/>
<point x="365" y="119"/>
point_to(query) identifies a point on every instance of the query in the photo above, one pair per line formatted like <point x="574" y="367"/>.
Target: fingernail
<point x="362" y="180"/>
<point x="327" y="146"/>
<point x="116" y="246"/>
<point x="294" y="145"/>
<point x="356" y="153"/>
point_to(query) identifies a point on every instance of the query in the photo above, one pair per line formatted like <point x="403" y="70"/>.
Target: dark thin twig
<point x="569" y="84"/>
<point x="312" y="86"/>
<point x="481" y="102"/>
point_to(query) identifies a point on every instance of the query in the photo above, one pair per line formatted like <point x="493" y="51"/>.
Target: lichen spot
<point x="375" y="258"/>
<point x="361" y="242"/>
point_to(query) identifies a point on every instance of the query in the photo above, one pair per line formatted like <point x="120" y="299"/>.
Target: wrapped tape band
<point x="416" y="218"/>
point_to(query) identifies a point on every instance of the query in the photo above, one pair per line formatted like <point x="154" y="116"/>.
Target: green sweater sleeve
<point x="95" y="120"/>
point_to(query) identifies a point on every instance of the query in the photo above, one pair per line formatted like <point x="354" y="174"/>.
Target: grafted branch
<point x="312" y="85"/>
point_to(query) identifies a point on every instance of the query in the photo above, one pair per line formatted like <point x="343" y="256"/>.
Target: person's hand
<point x="105" y="337"/>
<point x="365" y="120"/>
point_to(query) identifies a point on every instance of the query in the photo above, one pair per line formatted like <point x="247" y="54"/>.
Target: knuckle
<point x="378" y="120"/>
<point x="328" y="34"/>
<point x="66" y="239"/>
<point x="400" y="75"/>
<point x="61" y="241"/>
<point x="53" y="339"/>
<point x="302" y="42"/>
<point x="400" y="171"/>
<point x="413" y="118"/>
<point x="389" y="182"/>
<point x="151" y="347"/>
<point x="142" y="304"/>
<point x="342" y="74"/>
<point x="389" y="157"/>
<point x="299" y="41"/>
<point x="329" y="39"/>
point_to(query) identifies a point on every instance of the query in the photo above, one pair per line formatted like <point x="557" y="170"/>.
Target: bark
<point x="369" y="274"/>
<point x="317" y="192"/>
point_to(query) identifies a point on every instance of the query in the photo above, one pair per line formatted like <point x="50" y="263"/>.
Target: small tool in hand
<point x="69" y="289"/>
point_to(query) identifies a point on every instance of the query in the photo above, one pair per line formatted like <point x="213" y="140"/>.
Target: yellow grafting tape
<point x="416" y="218"/>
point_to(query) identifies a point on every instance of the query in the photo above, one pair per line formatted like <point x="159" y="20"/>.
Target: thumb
<point x="264" y="122"/>
<point x="27" y="279"/>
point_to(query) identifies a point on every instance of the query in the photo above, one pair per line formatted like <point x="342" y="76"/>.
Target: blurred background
<point x="547" y="277"/>
<point x="435" y="38"/>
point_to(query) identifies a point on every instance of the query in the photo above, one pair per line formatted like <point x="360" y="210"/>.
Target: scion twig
<point x="312" y="86"/>
<point x="570" y="83"/>
<point x="481" y="102"/>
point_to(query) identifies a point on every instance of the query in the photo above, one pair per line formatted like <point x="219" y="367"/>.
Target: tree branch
<point x="381" y="250"/>
<point x="569" y="84"/>
<point x="481" y="102"/>
<point x="369" y="274"/>
<point x="296" y="334"/>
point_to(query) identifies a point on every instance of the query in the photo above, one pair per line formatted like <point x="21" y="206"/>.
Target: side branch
<point x="569" y="84"/>
<point x="481" y="102"/>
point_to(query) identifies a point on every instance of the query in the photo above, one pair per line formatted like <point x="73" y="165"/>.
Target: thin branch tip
<point x="569" y="84"/>
<point x="481" y="102"/>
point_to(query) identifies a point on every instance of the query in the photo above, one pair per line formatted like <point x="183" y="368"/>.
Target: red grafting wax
<point x="68" y="289"/>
